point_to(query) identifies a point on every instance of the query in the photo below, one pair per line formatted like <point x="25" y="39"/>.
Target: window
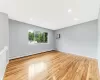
<point x="37" y="37"/>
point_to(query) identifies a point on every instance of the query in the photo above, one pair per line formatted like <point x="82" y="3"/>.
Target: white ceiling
<point x="51" y="14"/>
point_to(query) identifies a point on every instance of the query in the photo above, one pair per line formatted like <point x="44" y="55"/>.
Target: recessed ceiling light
<point x="69" y="10"/>
<point x="76" y="19"/>
<point x="31" y="19"/>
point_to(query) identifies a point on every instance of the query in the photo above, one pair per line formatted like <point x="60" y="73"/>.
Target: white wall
<point x="4" y="41"/>
<point x="19" y="46"/>
<point x="79" y="39"/>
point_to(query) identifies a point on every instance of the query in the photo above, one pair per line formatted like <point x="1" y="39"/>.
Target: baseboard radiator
<point x="3" y="61"/>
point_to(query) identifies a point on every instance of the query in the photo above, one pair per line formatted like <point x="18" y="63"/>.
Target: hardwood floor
<point x="52" y="66"/>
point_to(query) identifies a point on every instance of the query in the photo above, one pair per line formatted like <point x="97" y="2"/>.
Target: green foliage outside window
<point x="31" y="36"/>
<point x="38" y="36"/>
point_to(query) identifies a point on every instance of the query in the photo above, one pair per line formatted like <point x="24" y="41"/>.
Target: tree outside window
<point x="37" y="37"/>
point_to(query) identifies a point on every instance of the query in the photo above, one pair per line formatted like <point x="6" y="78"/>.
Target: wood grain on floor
<point x="52" y="66"/>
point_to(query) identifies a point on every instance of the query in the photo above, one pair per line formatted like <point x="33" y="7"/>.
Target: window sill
<point x="32" y="43"/>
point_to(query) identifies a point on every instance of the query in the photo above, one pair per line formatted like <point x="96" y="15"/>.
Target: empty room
<point x="50" y="40"/>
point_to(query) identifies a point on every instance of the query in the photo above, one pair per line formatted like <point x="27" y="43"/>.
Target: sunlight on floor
<point x="35" y="69"/>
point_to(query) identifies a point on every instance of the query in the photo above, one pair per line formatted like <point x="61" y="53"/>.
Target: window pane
<point x="31" y="36"/>
<point x="45" y="37"/>
<point x="38" y="36"/>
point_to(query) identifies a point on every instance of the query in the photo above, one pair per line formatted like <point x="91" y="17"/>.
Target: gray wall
<point x="4" y="31"/>
<point x="4" y="41"/>
<point x="19" y="46"/>
<point x="79" y="39"/>
<point x="99" y="40"/>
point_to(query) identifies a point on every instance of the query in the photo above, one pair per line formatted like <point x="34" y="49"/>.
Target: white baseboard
<point x="78" y="54"/>
<point x="31" y="53"/>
